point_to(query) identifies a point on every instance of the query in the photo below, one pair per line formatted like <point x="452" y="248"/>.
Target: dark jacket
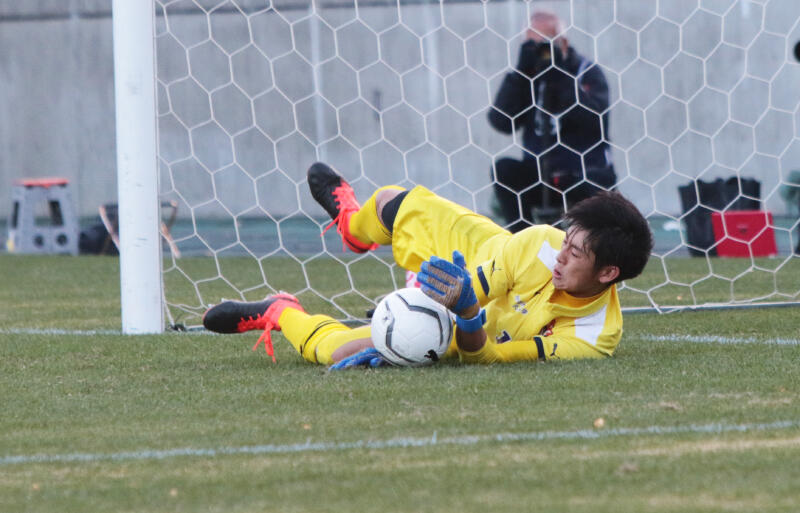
<point x="557" y="128"/>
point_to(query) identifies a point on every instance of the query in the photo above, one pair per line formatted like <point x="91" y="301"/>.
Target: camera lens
<point x="544" y="51"/>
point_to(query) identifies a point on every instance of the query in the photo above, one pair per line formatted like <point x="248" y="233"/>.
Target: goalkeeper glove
<point x="448" y="283"/>
<point x="369" y="357"/>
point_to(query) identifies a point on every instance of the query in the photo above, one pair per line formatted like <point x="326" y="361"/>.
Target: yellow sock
<point x="316" y="337"/>
<point x="366" y="226"/>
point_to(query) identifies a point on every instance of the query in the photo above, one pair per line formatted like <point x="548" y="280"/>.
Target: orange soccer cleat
<point x="337" y="198"/>
<point x="240" y="316"/>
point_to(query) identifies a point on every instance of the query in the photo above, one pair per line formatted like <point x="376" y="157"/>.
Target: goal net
<point x="700" y="122"/>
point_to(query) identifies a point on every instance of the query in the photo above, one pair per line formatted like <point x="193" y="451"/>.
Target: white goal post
<point x="223" y="104"/>
<point x="137" y="173"/>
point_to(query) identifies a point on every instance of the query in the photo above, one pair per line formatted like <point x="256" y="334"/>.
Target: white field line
<point x="697" y="339"/>
<point x="716" y="339"/>
<point x="54" y="331"/>
<point x="80" y="333"/>
<point x="467" y="440"/>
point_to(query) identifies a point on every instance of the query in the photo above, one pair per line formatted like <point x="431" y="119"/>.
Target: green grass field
<point x="701" y="411"/>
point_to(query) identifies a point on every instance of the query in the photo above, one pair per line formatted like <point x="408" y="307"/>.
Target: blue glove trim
<point x="368" y="357"/>
<point x="468" y="297"/>
<point x="471" y="325"/>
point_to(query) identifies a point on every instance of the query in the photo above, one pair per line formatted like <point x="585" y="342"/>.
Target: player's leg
<point x="427" y="224"/>
<point x="318" y="338"/>
<point x="322" y="339"/>
<point x="242" y="316"/>
<point x="417" y="223"/>
<point x="360" y="227"/>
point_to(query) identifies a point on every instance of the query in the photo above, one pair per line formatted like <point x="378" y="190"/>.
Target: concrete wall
<point x="248" y="98"/>
<point x="57" y="97"/>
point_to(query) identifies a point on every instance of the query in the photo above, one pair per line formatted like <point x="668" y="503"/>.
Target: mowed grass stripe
<point x="72" y="389"/>
<point x="673" y="337"/>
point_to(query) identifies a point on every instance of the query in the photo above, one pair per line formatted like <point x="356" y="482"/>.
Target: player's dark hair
<point x="616" y="232"/>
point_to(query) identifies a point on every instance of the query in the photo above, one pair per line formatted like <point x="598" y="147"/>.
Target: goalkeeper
<point x="538" y="294"/>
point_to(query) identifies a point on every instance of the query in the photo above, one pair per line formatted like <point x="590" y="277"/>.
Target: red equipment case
<point x="740" y="232"/>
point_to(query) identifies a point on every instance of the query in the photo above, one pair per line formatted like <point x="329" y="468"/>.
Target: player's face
<point x="542" y="29"/>
<point x="545" y="28"/>
<point x="574" y="271"/>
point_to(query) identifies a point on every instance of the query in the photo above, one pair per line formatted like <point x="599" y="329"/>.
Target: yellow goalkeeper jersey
<point x="526" y="318"/>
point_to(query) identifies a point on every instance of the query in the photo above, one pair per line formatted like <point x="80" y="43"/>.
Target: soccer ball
<point x="410" y="329"/>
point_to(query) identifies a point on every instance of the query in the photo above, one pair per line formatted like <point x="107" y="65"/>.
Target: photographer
<point x="564" y="136"/>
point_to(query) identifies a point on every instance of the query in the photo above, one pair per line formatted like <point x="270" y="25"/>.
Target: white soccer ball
<point x="410" y="329"/>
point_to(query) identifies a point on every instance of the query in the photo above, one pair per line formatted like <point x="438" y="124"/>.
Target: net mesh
<point x="702" y="104"/>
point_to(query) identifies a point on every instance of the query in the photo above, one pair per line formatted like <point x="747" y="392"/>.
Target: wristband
<point x="471" y="325"/>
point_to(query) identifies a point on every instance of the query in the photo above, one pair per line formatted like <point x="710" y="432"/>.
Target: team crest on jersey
<point x="519" y="306"/>
<point x="547" y="330"/>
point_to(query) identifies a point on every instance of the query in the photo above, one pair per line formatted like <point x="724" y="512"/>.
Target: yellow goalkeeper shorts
<point x="427" y="225"/>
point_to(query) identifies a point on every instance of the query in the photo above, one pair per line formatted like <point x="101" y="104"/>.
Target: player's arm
<point x="495" y="277"/>
<point x="514" y="98"/>
<point x="593" y="89"/>
<point x="471" y="340"/>
<point x="560" y="343"/>
<point x="587" y="118"/>
<point x="593" y="97"/>
<point x="450" y="284"/>
<point x="539" y="349"/>
<point x="512" y="103"/>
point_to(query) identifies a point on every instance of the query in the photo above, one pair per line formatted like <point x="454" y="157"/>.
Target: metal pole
<point x="137" y="172"/>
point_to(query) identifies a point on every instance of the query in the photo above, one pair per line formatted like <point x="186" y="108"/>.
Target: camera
<point x="535" y="57"/>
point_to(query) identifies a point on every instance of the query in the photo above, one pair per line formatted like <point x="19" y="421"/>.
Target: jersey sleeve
<point x="495" y="277"/>
<point x="491" y="279"/>
<point x="593" y="336"/>
<point x="541" y="349"/>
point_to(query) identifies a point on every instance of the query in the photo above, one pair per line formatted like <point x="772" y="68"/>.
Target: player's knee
<point x="387" y="204"/>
